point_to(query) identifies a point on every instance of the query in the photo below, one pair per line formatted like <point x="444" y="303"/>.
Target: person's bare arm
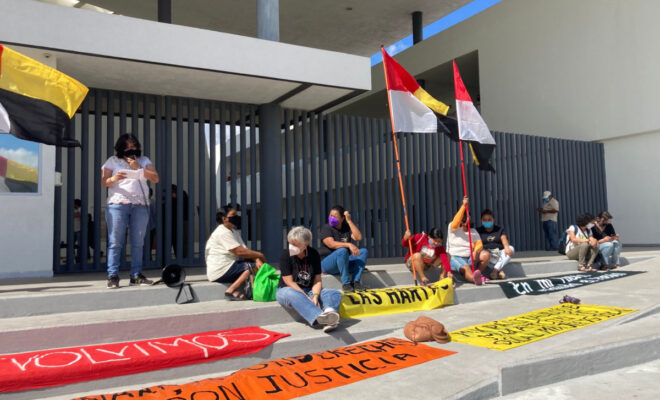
<point x="107" y="179"/>
<point x="244" y="252"/>
<point x="355" y="231"/>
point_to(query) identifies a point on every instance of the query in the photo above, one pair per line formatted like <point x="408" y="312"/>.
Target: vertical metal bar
<point x="110" y="139"/>
<point x="179" y="224"/>
<point x="316" y="157"/>
<point x="353" y="172"/>
<point x="122" y="115"/>
<point x="167" y="245"/>
<point x="159" y="193"/>
<point x="603" y="175"/>
<point x="135" y="116"/>
<point x="346" y="162"/>
<point x="70" y="194"/>
<point x="146" y="142"/>
<point x="213" y="164"/>
<point x="84" y="186"/>
<point x="287" y="167"/>
<point x="377" y="182"/>
<point x="243" y="174"/>
<point x="57" y="213"/>
<point x="253" y="180"/>
<point x="323" y="170"/>
<point x="306" y="167"/>
<point x="232" y="154"/>
<point x="190" y="242"/>
<point x="98" y="137"/>
<point x="295" y="169"/>
<point x="202" y="106"/>
<point x="358" y="145"/>
<point x="337" y="184"/>
<point x="391" y="190"/>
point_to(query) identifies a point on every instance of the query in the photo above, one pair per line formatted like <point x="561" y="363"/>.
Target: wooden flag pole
<point x="467" y="209"/>
<point x="398" y="168"/>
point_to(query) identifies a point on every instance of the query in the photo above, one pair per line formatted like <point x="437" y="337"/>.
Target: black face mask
<point x="235" y="220"/>
<point x="132" y="153"/>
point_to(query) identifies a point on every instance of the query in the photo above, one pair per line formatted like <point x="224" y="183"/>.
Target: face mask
<point x="547" y="199"/>
<point x="294" y="250"/>
<point x="235" y="220"/>
<point x="590" y="225"/>
<point x="487" y="224"/>
<point x="133" y="153"/>
<point x="431" y="245"/>
<point x="334" y="222"/>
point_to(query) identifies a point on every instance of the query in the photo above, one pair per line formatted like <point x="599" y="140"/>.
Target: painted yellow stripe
<point x="430" y="102"/>
<point x="21" y="172"/>
<point x="25" y="76"/>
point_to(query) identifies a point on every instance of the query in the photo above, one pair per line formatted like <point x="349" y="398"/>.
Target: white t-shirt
<point x="127" y="191"/>
<point x="579" y="234"/>
<point x="217" y="254"/>
<point x="458" y="241"/>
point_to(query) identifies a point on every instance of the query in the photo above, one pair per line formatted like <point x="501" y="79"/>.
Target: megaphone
<point x="174" y="276"/>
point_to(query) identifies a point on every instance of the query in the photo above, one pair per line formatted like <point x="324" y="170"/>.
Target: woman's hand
<point x="132" y="162"/>
<point x="117" y="177"/>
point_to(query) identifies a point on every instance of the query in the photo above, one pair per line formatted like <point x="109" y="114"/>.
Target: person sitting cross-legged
<point x="496" y="245"/>
<point x="301" y="287"/>
<point x="581" y="244"/>
<point x="458" y="244"/>
<point x="428" y="253"/>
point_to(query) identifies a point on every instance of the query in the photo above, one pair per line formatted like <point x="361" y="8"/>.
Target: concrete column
<point x="165" y="11"/>
<point x="268" y="20"/>
<point x="270" y="187"/>
<point x="417" y="27"/>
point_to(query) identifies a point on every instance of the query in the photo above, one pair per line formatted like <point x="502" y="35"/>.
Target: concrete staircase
<point x="80" y="311"/>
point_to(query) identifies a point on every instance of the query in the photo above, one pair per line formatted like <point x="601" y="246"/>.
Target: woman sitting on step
<point x="300" y="284"/>
<point x="580" y="243"/>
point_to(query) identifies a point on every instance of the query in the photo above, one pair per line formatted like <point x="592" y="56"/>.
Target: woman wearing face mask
<point x="580" y="243"/>
<point x="340" y="255"/>
<point x="458" y="246"/>
<point x="608" y="241"/>
<point x="300" y="284"/>
<point x="125" y="175"/>
<point x="428" y="253"/>
<point x="495" y="243"/>
<point x="228" y="260"/>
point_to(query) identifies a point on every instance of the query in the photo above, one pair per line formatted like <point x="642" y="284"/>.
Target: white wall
<point x="633" y="186"/>
<point x="27" y="221"/>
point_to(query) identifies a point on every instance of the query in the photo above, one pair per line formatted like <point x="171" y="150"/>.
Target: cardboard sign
<point x="516" y="331"/>
<point x="556" y="283"/>
<point x="292" y="377"/>
<point x="396" y="300"/>
<point x="77" y="364"/>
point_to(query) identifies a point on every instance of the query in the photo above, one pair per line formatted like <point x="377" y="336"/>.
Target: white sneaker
<point x="329" y="328"/>
<point x="329" y="316"/>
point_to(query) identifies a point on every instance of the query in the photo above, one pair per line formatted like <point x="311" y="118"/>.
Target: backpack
<point x="563" y="239"/>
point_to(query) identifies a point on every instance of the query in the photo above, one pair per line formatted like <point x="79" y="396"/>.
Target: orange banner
<point x="292" y="377"/>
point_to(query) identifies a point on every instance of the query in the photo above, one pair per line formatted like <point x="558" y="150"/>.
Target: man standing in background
<point x="549" y="213"/>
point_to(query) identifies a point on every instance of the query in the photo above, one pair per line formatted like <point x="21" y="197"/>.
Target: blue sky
<point x="436" y="27"/>
<point x="22" y="151"/>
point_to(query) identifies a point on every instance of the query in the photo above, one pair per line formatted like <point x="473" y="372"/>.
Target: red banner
<point x="292" y="377"/>
<point x="77" y="364"/>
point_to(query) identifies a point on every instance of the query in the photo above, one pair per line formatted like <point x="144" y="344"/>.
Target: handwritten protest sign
<point x="551" y="284"/>
<point x="297" y="376"/>
<point x="397" y="300"/>
<point x="77" y="364"/>
<point x="516" y="331"/>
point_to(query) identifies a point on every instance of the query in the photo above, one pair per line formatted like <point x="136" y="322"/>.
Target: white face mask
<point x="294" y="250"/>
<point x="590" y="225"/>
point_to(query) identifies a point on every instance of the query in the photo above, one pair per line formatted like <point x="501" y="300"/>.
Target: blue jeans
<point x="291" y="298"/>
<point x="342" y="262"/>
<point x="118" y="217"/>
<point x="610" y="252"/>
<point x="550" y="230"/>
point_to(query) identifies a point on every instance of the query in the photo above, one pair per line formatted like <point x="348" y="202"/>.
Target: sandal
<point x="589" y="268"/>
<point x="233" y="296"/>
<point x="581" y="267"/>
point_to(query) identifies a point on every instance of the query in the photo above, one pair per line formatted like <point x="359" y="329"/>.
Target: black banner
<point x="557" y="283"/>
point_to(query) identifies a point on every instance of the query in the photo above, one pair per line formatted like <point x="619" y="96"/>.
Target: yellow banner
<point x="396" y="300"/>
<point x="521" y="329"/>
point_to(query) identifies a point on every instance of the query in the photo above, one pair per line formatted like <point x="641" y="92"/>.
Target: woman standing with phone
<point x="125" y="175"/>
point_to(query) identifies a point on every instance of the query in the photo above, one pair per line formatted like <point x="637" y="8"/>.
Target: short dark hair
<point x="605" y="215"/>
<point x="77" y="202"/>
<point x="584" y="219"/>
<point x="487" y="211"/>
<point x="435" y="233"/>
<point x="222" y="212"/>
<point x="120" y="144"/>
<point x="339" y="209"/>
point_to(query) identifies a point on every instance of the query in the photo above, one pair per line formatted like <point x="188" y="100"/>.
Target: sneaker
<point x="113" y="282"/>
<point x="140" y="280"/>
<point x="329" y="316"/>
<point x="329" y="328"/>
<point x="478" y="279"/>
<point x="357" y="286"/>
<point x="347" y="288"/>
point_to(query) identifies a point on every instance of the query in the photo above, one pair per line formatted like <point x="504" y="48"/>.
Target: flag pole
<point x="398" y="168"/>
<point x="467" y="209"/>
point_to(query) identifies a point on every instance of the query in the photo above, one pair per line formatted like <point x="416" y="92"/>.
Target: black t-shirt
<point x="600" y="234"/>
<point x="491" y="240"/>
<point x="302" y="270"/>
<point x="342" y="233"/>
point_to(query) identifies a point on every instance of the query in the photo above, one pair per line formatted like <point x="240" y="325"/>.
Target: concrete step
<point x="65" y="296"/>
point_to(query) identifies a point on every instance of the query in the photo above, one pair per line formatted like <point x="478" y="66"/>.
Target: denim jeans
<point x="457" y="262"/>
<point x="118" y="217"/>
<point x="291" y="298"/>
<point x="342" y="262"/>
<point x="610" y="252"/>
<point x="550" y="230"/>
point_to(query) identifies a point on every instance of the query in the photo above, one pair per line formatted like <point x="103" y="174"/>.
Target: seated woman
<point x="495" y="243"/>
<point x="428" y="253"/>
<point x="340" y="255"/>
<point x="458" y="246"/>
<point x="580" y="243"/>
<point x="608" y="241"/>
<point x="300" y="284"/>
<point x="228" y="260"/>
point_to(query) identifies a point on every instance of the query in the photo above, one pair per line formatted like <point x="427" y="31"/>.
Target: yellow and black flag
<point x="37" y="101"/>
